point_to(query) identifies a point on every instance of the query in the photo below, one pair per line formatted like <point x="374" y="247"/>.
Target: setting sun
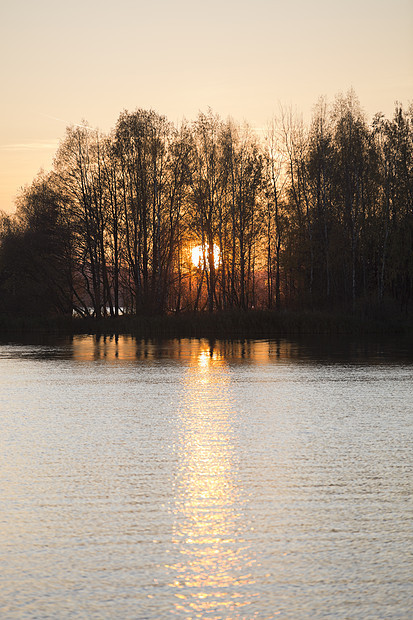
<point x="200" y="253"/>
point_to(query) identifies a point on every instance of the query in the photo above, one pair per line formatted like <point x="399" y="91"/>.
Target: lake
<point x="205" y="479"/>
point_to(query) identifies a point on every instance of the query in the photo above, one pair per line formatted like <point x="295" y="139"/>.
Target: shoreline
<point x="224" y="324"/>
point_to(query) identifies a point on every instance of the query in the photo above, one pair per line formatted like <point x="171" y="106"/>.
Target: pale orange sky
<point x="67" y="61"/>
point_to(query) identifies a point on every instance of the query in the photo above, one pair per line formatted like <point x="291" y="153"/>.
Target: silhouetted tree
<point x="312" y="216"/>
<point x="35" y="254"/>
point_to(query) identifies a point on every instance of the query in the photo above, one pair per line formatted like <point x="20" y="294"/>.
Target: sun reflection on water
<point x="213" y="577"/>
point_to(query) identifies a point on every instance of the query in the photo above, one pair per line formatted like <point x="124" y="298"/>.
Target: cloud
<point x="67" y="123"/>
<point x="37" y="145"/>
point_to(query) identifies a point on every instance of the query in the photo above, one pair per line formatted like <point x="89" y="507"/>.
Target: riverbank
<point x="233" y="324"/>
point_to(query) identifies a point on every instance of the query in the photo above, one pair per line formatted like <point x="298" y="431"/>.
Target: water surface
<point x="197" y="479"/>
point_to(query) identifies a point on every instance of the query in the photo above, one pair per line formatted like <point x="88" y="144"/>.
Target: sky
<point x="65" y="62"/>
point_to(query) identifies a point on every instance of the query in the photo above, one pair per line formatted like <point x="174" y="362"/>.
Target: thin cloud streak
<point x="67" y="123"/>
<point x="41" y="145"/>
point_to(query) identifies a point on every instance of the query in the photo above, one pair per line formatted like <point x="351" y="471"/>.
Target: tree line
<point x="303" y="216"/>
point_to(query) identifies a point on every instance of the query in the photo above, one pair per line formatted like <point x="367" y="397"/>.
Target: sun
<point x="200" y="253"/>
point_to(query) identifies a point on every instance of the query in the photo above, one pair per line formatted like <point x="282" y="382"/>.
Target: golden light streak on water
<point x="214" y="574"/>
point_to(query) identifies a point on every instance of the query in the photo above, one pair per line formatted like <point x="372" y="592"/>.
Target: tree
<point x="142" y="146"/>
<point x="276" y="221"/>
<point x="207" y="191"/>
<point x="34" y="254"/>
<point x="243" y="169"/>
<point x="350" y="143"/>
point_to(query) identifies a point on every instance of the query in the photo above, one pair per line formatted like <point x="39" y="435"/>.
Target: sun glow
<point x="199" y="255"/>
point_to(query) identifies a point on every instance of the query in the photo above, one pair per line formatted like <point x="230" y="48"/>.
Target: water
<point x="196" y="479"/>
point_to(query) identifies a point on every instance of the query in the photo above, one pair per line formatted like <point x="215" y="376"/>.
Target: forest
<point x="154" y="218"/>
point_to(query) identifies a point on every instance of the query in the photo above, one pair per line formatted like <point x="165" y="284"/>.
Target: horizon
<point x="241" y="59"/>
